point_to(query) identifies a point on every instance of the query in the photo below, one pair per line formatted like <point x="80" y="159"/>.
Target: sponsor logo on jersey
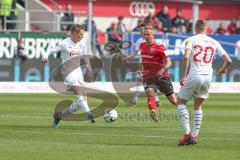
<point x="146" y="56"/>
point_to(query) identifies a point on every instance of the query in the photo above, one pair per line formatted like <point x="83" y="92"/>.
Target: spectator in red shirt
<point x="221" y="29"/>
<point x="209" y="29"/>
<point x="155" y="64"/>
<point x="232" y="27"/>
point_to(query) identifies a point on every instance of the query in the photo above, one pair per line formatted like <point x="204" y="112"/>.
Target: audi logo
<point x="141" y="9"/>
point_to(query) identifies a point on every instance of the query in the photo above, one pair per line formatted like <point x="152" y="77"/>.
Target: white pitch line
<point x="119" y="135"/>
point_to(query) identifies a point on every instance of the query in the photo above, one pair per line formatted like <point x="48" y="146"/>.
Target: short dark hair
<point x="77" y="28"/>
<point x="200" y="25"/>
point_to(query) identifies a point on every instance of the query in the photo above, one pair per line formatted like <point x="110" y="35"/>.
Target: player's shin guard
<point x="151" y="103"/>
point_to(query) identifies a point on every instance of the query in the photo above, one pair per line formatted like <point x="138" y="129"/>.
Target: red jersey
<point x="153" y="59"/>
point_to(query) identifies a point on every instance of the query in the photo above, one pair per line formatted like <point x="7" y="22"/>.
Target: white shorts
<point x="195" y="86"/>
<point x="75" y="78"/>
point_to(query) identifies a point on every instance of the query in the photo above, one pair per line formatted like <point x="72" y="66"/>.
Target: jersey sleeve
<point x="84" y="50"/>
<point x="54" y="49"/>
<point x="163" y="50"/>
<point x="219" y="49"/>
<point x="188" y="44"/>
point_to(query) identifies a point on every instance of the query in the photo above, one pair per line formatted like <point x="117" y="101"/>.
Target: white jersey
<point x="71" y="54"/>
<point x="203" y="49"/>
<point x="68" y="49"/>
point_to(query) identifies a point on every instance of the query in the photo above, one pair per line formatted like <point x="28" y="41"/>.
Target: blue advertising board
<point x="174" y="42"/>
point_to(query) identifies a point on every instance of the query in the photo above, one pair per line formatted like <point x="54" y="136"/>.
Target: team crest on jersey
<point x="152" y="50"/>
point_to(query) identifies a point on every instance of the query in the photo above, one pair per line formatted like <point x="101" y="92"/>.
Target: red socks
<point x="151" y="103"/>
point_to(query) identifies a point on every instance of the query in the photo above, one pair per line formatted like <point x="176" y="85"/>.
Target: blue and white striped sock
<point x="197" y="120"/>
<point x="184" y="117"/>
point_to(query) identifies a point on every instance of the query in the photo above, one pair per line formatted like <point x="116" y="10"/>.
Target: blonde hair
<point x="148" y="27"/>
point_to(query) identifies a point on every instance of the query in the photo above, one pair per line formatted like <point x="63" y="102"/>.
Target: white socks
<point x="81" y="103"/>
<point x="136" y="95"/>
<point x="156" y="98"/>
<point x="197" y="122"/>
<point x="184" y="117"/>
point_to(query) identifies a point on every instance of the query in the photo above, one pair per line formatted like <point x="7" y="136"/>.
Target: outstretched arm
<point x="134" y="54"/>
<point x="54" y="49"/>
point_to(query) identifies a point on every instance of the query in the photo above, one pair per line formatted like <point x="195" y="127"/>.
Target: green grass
<point x="26" y="133"/>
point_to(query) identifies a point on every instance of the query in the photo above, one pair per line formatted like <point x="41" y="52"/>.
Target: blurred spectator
<point x="209" y="29"/>
<point x="94" y="44"/>
<point x="59" y="10"/>
<point x="164" y="17"/>
<point x="178" y="21"/>
<point x="138" y="27"/>
<point x="232" y="27"/>
<point x="160" y="27"/>
<point x="113" y="34"/>
<point x="189" y="26"/>
<point x="34" y="27"/>
<point x="183" y="30"/>
<point x="19" y="51"/>
<point x="151" y="20"/>
<point x="121" y="27"/>
<point x="6" y="6"/>
<point x="221" y="29"/>
<point x="174" y="29"/>
<point x="59" y="14"/>
<point x="67" y="19"/>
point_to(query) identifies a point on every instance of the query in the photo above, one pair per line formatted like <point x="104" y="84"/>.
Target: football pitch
<point x="26" y="133"/>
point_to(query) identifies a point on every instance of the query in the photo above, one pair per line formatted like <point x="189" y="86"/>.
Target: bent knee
<point x="150" y="92"/>
<point x="181" y="101"/>
<point x="172" y="99"/>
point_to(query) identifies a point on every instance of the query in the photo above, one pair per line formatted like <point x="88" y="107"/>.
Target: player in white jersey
<point x="199" y="52"/>
<point x="72" y="50"/>
<point x="135" y="53"/>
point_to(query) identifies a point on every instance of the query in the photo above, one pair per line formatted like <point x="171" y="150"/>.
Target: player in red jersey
<point x="155" y="64"/>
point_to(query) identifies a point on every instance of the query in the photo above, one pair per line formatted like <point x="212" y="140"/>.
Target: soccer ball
<point x="110" y="115"/>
